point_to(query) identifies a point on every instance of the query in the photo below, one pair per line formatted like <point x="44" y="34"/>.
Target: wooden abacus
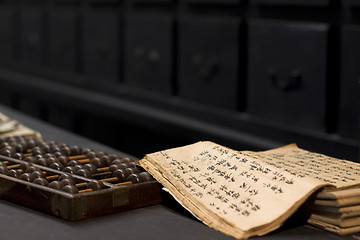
<point x="70" y="182"/>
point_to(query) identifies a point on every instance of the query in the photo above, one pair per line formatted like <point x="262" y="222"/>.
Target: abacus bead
<point x="66" y="150"/>
<point x="96" y="185"/>
<point x="134" y="178"/>
<point x="132" y="164"/>
<point x="3" y="143"/>
<point x="30" y="143"/>
<point x="27" y="177"/>
<point x="63" y="160"/>
<point x="41" y="181"/>
<point x="78" y="167"/>
<point x="38" y="174"/>
<point x="7" y="152"/>
<point x="75" y="150"/>
<point x="25" y="165"/>
<point x="3" y="170"/>
<point x="42" y="162"/>
<point x="106" y="160"/>
<point x="113" y="167"/>
<point x="30" y="159"/>
<point x="86" y="151"/>
<point x="129" y="171"/>
<point x="126" y="160"/>
<point x="19" y="148"/>
<point x="91" y="167"/>
<point x="68" y="169"/>
<point x="45" y="148"/>
<point x="120" y="175"/>
<point x="56" y="185"/>
<point x="48" y="155"/>
<point x="57" y="166"/>
<point x="11" y="139"/>
<point x="99" y="154"/>
<point x="58" y="154"/>
<point x="70" y="189"/>
<point x="68" y="181"/>
<point x="84" y="172"/>
<point x="116" y="161"/>
<point x="73" y="163"/>
<point x="32" y="169"/>
<point x="90" y="155"/>
<point x="2" y="164"/>
<point x="66" y="176"/>
<point x="113" y="157"/>
<point x="97" y="162"/>
<point x="14" y="173"/>
<point x="51" y="160"/>
<point x="38" y="156"/>
<point x="19" y="156"/>
<point x="36" y="151"/>
<point x="145" y="177"/>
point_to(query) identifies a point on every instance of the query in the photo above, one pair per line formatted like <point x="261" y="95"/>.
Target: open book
<point x="244" y="193"/>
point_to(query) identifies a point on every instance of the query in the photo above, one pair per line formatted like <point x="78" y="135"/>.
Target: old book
<point x="334" y="228"/>
<point x="10" y="127"/>
<point x="337" y="211"/>
<point x="245" y="193"/>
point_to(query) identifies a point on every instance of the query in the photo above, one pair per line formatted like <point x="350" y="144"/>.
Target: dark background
<point x="146" y="75"/>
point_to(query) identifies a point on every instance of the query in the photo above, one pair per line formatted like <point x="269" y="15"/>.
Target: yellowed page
<point x="302" y="163"/>
<point x="346" y="211"/>
<point x="355" y="192"/>
<point x="333" y="228"/>
<point x="342" y="202"/>
<point x="340" y="222"/>
<point x="10" y="127"/>
<point x="230" y="191"/>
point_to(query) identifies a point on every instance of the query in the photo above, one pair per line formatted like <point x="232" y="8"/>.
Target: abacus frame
<point x="78" y="206"/>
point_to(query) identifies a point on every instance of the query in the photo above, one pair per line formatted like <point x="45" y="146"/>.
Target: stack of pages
<point x="337" y="211"/>
<point x="11" y="127"/>
<point x="245" y="193"/>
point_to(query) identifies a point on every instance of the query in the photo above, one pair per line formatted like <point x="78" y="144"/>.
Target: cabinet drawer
<point x="287" y="72"/>
<point x="62" y="39"/>
<point x="349" y="82"/>
<point x="149" y="52"/>
<point x="101" y="44"/>
<point x="32" y="42"/>
<point x="6" y="32"/>
<point x="208" y="60"/>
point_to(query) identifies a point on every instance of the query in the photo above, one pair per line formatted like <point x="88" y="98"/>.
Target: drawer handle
<point x="292" y="82"/>
<point x="206" y="70"/>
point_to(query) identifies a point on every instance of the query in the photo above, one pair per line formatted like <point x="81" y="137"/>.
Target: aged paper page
<point x="230" y="191"/>
<point x="302" y="163"/>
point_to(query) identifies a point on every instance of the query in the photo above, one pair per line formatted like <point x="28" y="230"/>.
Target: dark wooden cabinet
<point x="149" y="52"/>
<point x="32" y="48"/>
<point x="101" y="44"/>
<point x="7" y="32"/>
<point x="350" y="82"/>
<point x="208" y="60"/>
<point x="248" y="74"/>
<point x="63" y="41"/>
<point x="287" y="72"/>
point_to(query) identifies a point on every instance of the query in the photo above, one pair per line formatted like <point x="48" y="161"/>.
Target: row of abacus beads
<point x="120" y="168"/>
<point x="65" y="182"/>
<point x="20" y="147"/>
<point x="42" y="156"/>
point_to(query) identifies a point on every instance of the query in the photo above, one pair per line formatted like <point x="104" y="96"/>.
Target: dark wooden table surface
<point x="163" y="221"/>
